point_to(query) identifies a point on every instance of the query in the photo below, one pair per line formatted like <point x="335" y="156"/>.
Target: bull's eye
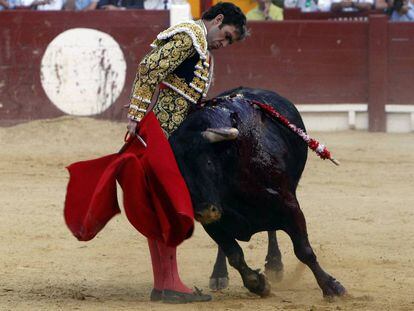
<point x="209" y="163"/>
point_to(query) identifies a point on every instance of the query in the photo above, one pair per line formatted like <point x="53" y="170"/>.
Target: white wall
<point x="339" y="117"/>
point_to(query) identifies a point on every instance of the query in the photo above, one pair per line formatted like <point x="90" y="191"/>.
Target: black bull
<point x="242" y="170"/>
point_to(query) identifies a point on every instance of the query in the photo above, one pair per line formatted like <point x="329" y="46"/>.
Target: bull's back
<point x="281" y="104"/>
<point x="276" y="137"/>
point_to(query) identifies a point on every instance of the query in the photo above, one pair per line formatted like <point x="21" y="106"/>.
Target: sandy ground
<point x="360" y="219"/>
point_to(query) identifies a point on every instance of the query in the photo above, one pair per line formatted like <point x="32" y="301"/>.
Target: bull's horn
<point x="214" y="135"/>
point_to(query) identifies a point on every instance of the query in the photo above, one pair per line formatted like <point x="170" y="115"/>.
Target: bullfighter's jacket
<point x="181" y="64"/>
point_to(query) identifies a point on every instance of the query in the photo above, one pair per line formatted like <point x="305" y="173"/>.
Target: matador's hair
<point x="232" y="16"/>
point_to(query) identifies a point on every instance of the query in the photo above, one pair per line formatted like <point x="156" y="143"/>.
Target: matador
<point x="174" y="75"/>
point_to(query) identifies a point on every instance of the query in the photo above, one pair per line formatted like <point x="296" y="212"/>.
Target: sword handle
<point x="141" y="140"/>
<point x="128" y="140"/>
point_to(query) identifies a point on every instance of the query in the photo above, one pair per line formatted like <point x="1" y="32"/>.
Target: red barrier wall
<point x="306" y="61"/>
<point x="24" y="36"/>
<point x="400" y="63"/>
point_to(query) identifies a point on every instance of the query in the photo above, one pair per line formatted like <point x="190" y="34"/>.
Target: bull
<point x="242" y="169"/>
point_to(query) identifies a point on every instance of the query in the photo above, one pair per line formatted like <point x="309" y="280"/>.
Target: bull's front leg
<point x="296" y="229"/>
<point x="273" y="265"/>
<point x="219" y="279"/>
<point x="253" y="280"/>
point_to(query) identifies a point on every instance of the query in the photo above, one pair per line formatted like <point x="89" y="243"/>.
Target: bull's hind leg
<point x="253" y="280"/>
<point x="296" y="229"/>
<point x="219" y="279"/>
<point x="273" y="265"/>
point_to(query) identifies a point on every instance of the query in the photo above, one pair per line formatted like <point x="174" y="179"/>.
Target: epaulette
<point x="191" y="28"/>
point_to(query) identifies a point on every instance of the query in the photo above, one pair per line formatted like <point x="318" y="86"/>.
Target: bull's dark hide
<point x="246" y="175"/>
<point x="242" y="169"/>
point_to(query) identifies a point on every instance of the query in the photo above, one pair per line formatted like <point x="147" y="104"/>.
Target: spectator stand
<point x="297" y="14"/>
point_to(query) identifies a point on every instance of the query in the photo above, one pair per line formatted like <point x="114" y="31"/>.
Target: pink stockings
<point x="164" y="267"/>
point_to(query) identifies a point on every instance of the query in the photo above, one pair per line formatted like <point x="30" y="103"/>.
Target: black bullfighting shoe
<point x="170" y="296"/>
<point x="156" y="295"/>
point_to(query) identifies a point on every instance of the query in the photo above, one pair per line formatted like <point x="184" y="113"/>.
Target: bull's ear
<point x="214" y="135"/>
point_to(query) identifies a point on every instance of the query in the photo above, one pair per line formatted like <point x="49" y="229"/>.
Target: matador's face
<point x="220" y="35"/>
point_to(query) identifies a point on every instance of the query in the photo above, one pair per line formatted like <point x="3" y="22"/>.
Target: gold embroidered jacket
<point x="180" y="61"/>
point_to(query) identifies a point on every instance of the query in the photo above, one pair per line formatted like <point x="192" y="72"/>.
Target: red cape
<point x="156" y="198"/>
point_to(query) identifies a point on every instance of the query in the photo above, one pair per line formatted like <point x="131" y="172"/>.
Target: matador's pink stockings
<point x="164" y="267"/>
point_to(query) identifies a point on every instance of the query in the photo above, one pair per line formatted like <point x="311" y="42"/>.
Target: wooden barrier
<point x="400" y="63"/>
<point x="25" y="35"/>
<point x="320" y="62"/>
<point x="307" y="61"/>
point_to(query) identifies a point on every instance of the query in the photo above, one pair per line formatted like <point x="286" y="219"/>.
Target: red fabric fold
<point x="156" y="199"/>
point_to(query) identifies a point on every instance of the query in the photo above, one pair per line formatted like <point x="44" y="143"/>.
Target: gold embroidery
<point x="171" y="110"/>
<point x="204" y="73"/>
<point x="181" y="87"/>
<point x="155" y="67"/>
<point x="199" y="84"/>
<point x="172" y="105"/>
<point x="193" y="30"/>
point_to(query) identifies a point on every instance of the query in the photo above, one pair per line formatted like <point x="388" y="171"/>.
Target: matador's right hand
<point x="132" y="127"/>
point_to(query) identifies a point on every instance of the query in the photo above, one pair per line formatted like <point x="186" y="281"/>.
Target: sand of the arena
<point x="360" y="220"/>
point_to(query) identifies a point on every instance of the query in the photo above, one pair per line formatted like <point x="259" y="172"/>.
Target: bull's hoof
<point x="274" y="271"/>
<point x="257" y="283"/>
<point x="219" y="283"/>
<point x="333" y="288"/>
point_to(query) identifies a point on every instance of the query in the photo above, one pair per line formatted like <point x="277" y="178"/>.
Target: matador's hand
<point x="132" y="127"/>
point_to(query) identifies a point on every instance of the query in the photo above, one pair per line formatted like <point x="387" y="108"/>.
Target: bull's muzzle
<point x="208" y="215"/>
